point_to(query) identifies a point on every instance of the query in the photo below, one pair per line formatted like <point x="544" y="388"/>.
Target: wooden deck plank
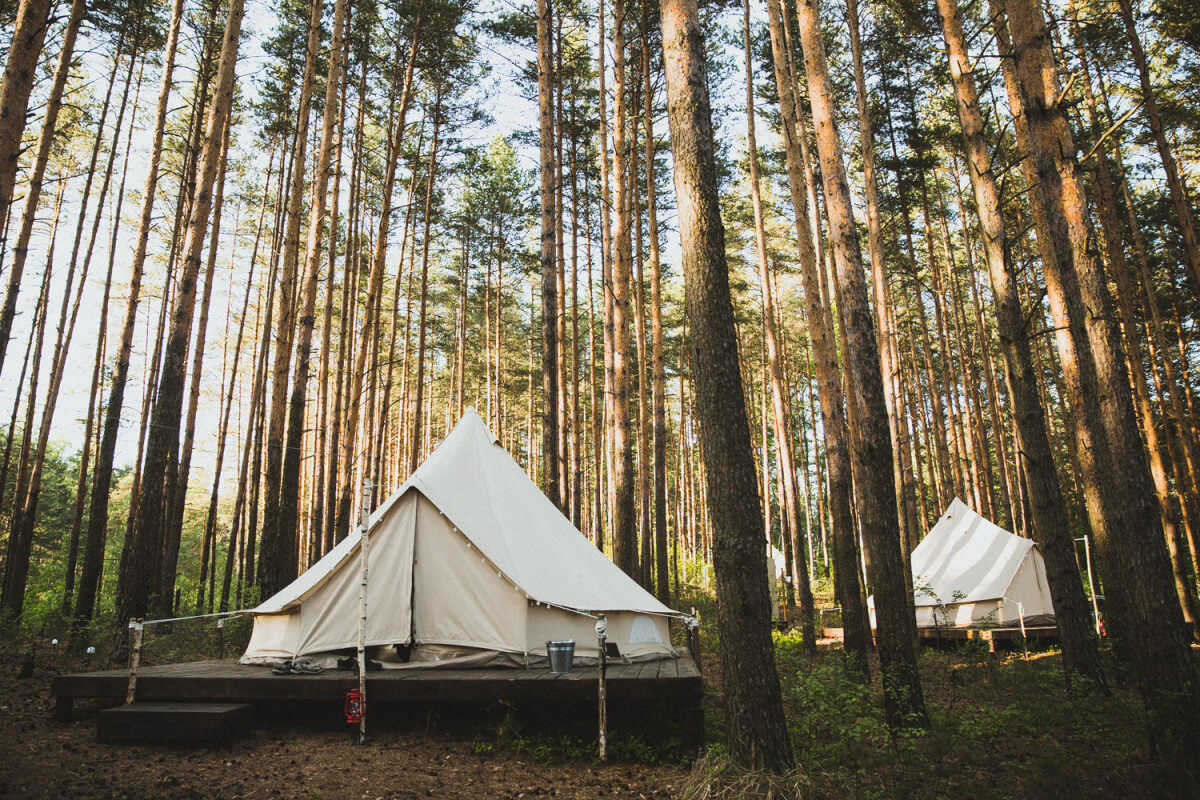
<point x="227" y="681"/>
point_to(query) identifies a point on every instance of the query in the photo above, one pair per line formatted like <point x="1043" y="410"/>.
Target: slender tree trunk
<point x="1050" y="525"/>
<point x="415" y="453"/>
<point x="758" y="732"/>
<point x="905" y="484"/>
<point x="659" y="403"/>
<point x="208" y="543"/>
<point x="97" y="529"/>
<point x="42" y="156"/>
<point x="37" y="337"/>
<point x="374" y="290"/>
<point x="820" y="328"/>
<point x="550" y="233"/>
<point x="135" y="572"/>
<point x="278" y="559"/>
<point x="20" y="71"/>
<point x="177" y="500"/>
<point x="20" y="543"/>
<point x="1129" y="537"/>
<point x="780" y="400"/>
<point x="624" y="523"/>
<point x="1180" y="201"/>
<point x="289" y="496"/>
<point x="873" y="474"/>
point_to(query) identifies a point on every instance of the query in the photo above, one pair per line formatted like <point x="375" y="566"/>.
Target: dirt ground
<point x="423" y="757"/>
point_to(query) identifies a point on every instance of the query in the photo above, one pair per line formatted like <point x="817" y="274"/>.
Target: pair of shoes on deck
<point x="351" y="663"/>
<point x="304" y="667"/>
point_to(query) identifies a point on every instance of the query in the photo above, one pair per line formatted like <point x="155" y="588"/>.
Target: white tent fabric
<point x="968" y="572"/>
<point x="777" y="563"/>
<point x="469" y="561"/>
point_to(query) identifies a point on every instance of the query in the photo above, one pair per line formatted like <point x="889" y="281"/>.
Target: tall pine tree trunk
<point x="550" y="234"/>
<point x="1128" y="529"/>
<point x="824" y="350"/>
<point x="1049" y="513"/>
<point x="873" y="473"/>
<point x="97" y="529"/>
<point x="758" y="732"/>
<point x="780" y="400"/>
<point x="134" y="582"/>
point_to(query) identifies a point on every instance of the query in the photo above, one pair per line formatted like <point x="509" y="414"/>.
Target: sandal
<point x="282" y="668"/>
<point x="306" y="667"/>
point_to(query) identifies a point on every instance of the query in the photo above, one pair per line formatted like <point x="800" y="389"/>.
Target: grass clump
<point x="716" y="777"/>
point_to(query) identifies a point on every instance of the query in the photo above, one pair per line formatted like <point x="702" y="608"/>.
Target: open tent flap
<point x="458" y="598"/>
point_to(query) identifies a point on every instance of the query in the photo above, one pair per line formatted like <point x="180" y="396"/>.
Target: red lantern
<point x="354" y="706"/>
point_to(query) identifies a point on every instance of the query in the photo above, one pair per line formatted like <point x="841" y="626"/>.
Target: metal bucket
<point x="561" y="654"/>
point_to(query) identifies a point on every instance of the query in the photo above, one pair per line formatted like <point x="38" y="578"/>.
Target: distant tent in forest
<point x="470" y="564"/>
<point x="969" y="572"/>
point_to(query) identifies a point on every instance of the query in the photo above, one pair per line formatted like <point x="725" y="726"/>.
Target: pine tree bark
<point x="97" y="530"/>
<point x="780" y="399"/>
<point x="374" y="290"/>
<point x="37" y="170"/>
<point x="134" y="581"/>
<point x="905" y="482"/>
<point x="624" y="533"/>
<point x="824" y="350"/>
<point x="876" y="492"/>
<point x="661" y="584"/>
<point x="415" y="453"/>
<point x="24" y="520"/>
<point x="20" y="71"/>
<point x="1181" y="203"/>
<point x="289" y="493"/>
<point x="278" y="555"/>
<point x="758" y="732"/>
<point x="1050" y="526"/>
<point x="208" y="545"/>
<point x="1129" y="538"/>
<point x="550" y="375"/>
<point x="177" y="501"/>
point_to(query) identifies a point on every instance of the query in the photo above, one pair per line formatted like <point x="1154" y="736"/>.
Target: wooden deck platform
<point x="1011" y="636"/>
<point x="1008" y="635"/>
<point x="674" y="684"/>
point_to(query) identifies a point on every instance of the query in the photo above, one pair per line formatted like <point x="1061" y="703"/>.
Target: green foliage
<point x="835" y="719"/>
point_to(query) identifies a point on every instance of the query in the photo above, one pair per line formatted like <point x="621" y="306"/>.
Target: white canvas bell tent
<point x="469" y="564"/>
<point x="970" y="572"/>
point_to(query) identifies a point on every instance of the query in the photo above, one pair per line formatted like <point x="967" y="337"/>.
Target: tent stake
<point x="601" y="637"/>
<point x="365" y="515"/>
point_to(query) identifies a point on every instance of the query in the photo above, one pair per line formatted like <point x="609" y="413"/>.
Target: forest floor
<point x="1003" y="726"/>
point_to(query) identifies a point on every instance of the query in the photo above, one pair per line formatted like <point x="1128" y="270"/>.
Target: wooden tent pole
<point x="136" y="629"/>
<point x="365" y="518"/>
<point x="602" y="637"/>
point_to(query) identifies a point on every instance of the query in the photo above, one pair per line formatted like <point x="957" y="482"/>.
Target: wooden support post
<point x="64" y="708"/>
<point x="602" y="639"/>
<point x="693" y="639"/>
<point x="136" y="629"/>
<point x="692" y="726"/>
<point x="365" y="513"/>
<point x="1024" y="638"/>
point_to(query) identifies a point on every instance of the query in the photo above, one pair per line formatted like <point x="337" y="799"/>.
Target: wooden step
<point x="173" y="722"/>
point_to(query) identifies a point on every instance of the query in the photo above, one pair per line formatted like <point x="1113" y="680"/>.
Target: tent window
<point x="644" y="631"/>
